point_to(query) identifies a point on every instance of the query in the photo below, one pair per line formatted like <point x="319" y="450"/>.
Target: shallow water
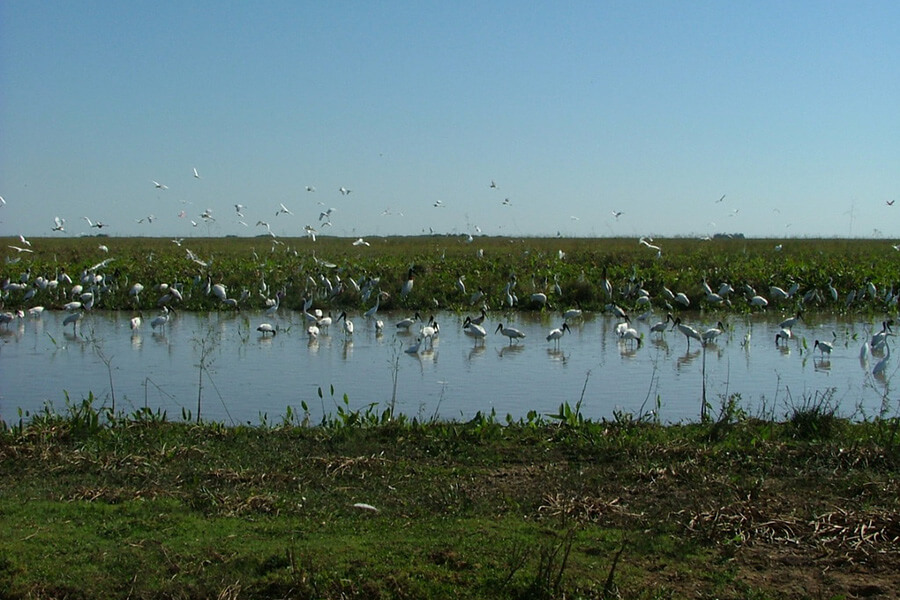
<point x="247" y="377"/>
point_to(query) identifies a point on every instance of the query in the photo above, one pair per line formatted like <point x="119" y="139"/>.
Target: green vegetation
<point x="263" y="265"/>
<point x="98" y="505"/>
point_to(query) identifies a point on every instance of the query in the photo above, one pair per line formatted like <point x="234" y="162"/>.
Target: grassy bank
<point x="571" y="272"/>
<point x="364" y="507"/>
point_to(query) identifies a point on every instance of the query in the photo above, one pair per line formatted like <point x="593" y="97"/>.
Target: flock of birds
<point x="79" y="297"/>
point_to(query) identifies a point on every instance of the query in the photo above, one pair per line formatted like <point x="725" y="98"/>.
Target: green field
<point x="571" y="272"/>
<point x="362" y="508"/>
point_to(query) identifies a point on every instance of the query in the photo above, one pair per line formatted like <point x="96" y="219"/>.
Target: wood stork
<point x="73" y="320"/>
<point x="688" y="331"/>
<point x="347" y="325"/>
<point x="408" y="322"/>
<point x="881" y="365"/>
<point x="784" y="334"/>
<point x="160" y="320"/>
<point x="414" y="348"/>
<point x="660" y="327"/>
<point x="572" y="313"/>
<point x="408" y="284"/>
<point x="511" y="332"/>
<point x="789" y="323"/>
<point x="135" y="323"/>
<point x="824" y="347"/>
<point x="556" y="334"/>
<point x="712" y="333"/>
<point x="474" y="330"/>
<point x="266" y="328"/>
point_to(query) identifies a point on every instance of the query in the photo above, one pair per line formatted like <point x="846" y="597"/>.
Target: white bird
<point x="58" y="224"/>
<point x="310" y="232"/>
<point x="408" y="284"/>
<point x="361" y="242"/>
<point x="282" y="210"/>
<point x="344" y="191"/>
<point x="310" y="188"/>
<point x="160" y="320"/>
<point x="160" y="186"/>
<point x="313" y="332"/>
<point x="628" y="333"/>
<point x="660" y="327"/>
<point x="73" y="320"/>
<point x="712" y="333"/>
<point x="196" y="174"/>
<point x="556" y="334"/>
<point x="20" y="250"/>
<point x="789" y="323"/>
<point x="348" y="324"/>
<point x="881" y="365"/>
<point x="824" y="347"/>
<point x="617" y="214"/>
<point x="414" y="348"/>
<point x="265" y="328"/>
<point x="408" y="322"/>
<point x="135" y="322"/>
<point x="24" y="241"/>
<point x="784" y="334"/>
<point x="688" y="331"/>
<point x="473" y="330"/>
<point x="326" y="214"/>
<point x="511" y="332"/>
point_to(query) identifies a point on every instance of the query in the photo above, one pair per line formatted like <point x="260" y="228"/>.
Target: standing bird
<point x="265" y="328"/>
<point x="881" y="365"/>
<point x="511" y="332"/>
<point x="73" y="320"/>
<point x="347" y="325"/>
<point x="557" y="333"/>
<point x="824" y="347"/>
<point x="408" y="284"/>
<point x="688" y="331"/>
<point x="160" y="320"/>
<point x="712" y="333"/>
<point x="473" y="330"/>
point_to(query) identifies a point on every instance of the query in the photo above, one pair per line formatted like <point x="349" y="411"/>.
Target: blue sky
<point x="791" y="110"/>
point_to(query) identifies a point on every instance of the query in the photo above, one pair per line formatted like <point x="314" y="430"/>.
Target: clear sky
<point x="791" y="110"/>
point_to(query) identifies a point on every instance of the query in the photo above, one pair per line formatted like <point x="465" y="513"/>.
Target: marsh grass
<point x="247" y="263"/>
<point x="137" y="505"/>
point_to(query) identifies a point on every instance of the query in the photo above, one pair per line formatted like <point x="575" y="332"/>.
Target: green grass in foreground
<point x="96" y="506"/>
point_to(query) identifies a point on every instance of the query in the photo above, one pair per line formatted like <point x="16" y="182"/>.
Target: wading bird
<point x="266" y="328"/>
<point x="511" y="332"/>
<point x="556" y="334"/>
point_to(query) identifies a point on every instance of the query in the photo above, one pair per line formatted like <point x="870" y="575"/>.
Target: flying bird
<point x="617" y="213"/>
<point x="310" y="188"/>
<point x="361" y="242"/>
<point x="239" y="208"/>
<point x="326" y="214"/>
<point x="493" y="185"/>
<point x="890" y="202"/>
<point x="283" y="209"/>
<point x="344" y="191"/>
<point x="196" y="174"/>
<point x="59" y="224"/>
<point x="160" y="186"/>
<point x="720" y="199"/>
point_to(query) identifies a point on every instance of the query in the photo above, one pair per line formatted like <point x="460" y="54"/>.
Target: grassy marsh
<point x="297" y="266"/>
<point x="98" y="506"/>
